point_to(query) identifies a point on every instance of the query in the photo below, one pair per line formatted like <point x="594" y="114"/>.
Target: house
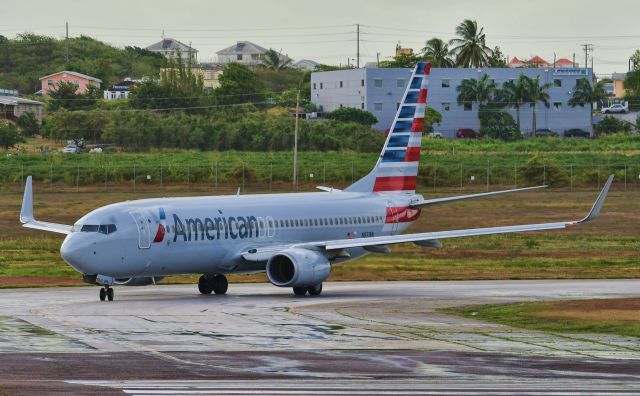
<point x="120" y="90"/>
<point x="537" y="61"/>
<point x="9" y="92"/>
<point x="171" y="48"/>
<point x="618" y="85"/>
<point x="210" y="73"/>
<point x="306" y="64"/>
<point x="403" y="51"/>
<point x="12" y="107"/>
<point x="245" y="53"/>
<point x="82" y="81"/>
<point x="380" y="90"/>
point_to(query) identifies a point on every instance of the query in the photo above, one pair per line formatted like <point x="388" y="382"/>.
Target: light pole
<point x="295" y="143"/>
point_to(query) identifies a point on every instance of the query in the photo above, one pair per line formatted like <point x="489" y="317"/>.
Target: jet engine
<point x="144" y="281"/>
<point x="297" y="268"/>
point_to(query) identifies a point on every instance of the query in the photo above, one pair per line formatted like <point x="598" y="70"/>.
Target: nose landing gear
<point x="106" y="293"/>
<point x="213" y="283"/>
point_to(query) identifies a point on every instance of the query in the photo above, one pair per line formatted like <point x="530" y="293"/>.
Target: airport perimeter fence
<point x="224" y="178"/>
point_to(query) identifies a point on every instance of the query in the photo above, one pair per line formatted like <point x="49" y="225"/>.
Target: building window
<point x="492" y="81"/>
<point x="362" y="83"/>
<point x="400" y="83"/>
<point x="397" y="105"/>
<point x="239" y="57"/>
<point x="362" y="106"/>
<point x="254" y="56"/>
<point x="557" y="82"/>
<point x="76" y="83"/>
<point x="446" y="83"/>
<point x="377" y="83"/>
<point x="340" y="84"/>
<point x="557" y="105"/>
<point x="377" y="106"/>
<point x="468" y="106"/>
<point x="446" y="106"/>
<point x="314" y="85"/>
<point x="50" y="83"/>
<point x="321" y="86"/>
<point x="532" y="105"/>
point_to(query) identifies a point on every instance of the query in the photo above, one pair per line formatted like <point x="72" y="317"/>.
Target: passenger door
<point x="144" y="235"/>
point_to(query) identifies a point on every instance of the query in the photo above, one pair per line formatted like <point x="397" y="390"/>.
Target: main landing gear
<point x="213" y="283"/>
<point x="312" y="290"/>
<point x="106" y="293"/>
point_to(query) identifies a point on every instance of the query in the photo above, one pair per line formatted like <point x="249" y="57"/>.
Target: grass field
<point x="607" y="248"/>
<point x="612" y="316"/>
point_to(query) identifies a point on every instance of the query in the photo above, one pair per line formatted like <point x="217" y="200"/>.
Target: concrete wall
<point x="381" y="97"/>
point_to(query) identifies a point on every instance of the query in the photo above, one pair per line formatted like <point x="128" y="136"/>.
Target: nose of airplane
<point x="72" y="252"/>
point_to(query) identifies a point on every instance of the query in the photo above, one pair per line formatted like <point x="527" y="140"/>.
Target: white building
<point x="245" y="53"/>
<point x="380" y="91"/>
<point x="120" y="90"/>
<point x="171" y="48"/>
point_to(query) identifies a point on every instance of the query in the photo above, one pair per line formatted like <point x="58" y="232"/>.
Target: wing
<point x="431" y="236"/>
<point x="26" y="214"/>
<point x="428" y="202"/>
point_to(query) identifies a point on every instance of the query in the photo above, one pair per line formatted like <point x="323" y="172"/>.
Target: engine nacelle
<point x="144" y="281"/>
<point x="298" y="267"/>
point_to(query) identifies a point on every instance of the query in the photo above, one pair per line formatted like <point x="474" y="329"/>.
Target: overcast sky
<point x="324" y="30"/>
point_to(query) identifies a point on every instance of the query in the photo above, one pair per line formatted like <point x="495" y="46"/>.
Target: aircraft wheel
<point x="110" y="294"/>
<point x="103" y="294"/>
<point x="315" y="290"/>
<point x="205" y="285"/>
<point x="220" y="284"/>
<point x="299" y="291"/>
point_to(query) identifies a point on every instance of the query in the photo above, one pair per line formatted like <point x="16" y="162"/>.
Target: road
<point x="357" y="338"/>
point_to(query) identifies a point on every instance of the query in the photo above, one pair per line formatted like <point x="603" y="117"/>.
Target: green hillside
<point x="27" y="57"/>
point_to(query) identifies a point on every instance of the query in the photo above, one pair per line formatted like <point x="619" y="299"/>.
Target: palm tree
<point x="470" y="48"/>
<point x="273" y="60"/>
<point x="437" y="52"/>
<point x="472" y="90"/>
<point x="534" y="93"/>
<point x="586" y="93"/>
<point x="513" y="94"/>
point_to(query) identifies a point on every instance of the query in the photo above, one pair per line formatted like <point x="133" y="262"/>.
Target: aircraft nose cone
<point x="72" y="253"/>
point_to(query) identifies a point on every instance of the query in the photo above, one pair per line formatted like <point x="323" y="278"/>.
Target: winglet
<point x="26" y="214"/>
<point x="595" y="209"/>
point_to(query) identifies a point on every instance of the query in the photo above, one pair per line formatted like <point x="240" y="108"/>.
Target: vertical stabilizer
<point x="397" y="168"/>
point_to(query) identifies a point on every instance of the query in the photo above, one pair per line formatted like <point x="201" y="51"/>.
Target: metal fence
<point x="215" y="176"/>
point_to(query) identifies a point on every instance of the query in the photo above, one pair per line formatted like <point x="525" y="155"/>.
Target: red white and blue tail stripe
<point x="397" y="168"/>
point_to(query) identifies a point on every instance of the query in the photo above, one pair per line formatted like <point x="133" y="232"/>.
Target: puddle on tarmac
<point x="18" y="335"/>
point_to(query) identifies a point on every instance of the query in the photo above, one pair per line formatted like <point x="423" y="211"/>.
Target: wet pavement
<point x="171" y="340"/>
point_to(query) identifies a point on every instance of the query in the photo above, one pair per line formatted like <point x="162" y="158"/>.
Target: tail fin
<point x="397" y="168"/>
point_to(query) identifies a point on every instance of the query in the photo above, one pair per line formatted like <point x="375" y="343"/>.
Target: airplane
<point x="295" y="238"/>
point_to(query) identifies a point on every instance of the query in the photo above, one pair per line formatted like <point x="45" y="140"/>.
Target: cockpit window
<point x="103" y="229"/>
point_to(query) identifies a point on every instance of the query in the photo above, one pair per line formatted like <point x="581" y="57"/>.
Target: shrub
<point x="611" y="124"/>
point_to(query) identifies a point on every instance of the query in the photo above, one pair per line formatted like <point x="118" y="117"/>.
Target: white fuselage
<point x="165" y="236"/>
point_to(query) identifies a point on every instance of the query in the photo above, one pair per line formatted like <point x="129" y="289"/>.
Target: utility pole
<point x="66" y="43"/>
<point x="295" y="143"/>
<point x="574" y="60"/>
<point x="587" y="48"/>
<point x="377" y="59"/>
<point x="358" y="48"/>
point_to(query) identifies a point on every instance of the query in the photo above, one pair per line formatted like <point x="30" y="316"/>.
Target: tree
<point x="513" y="94"/>
<point x="534" y="93"/>
<point x="9" y="135"/>
<point x="586" y="93"/>
<point x="437" y="52"/>
<point x="79" y="126"/>
<point x="66" y="96"/>
<point x="28" y="124"/>
<point x="239" y="84"/>
<point x="472" y="90"/>
<point x="273" y="60"/>
<point x="431" y="117"/>
<point x="613" y="125"/>
<point x="350" y="114"/>
<point x="635" y="60"/>
<point x="497" y="58"/>
<point x="402" y="60"/>
<point x="497" y="124"/>
<point x="470" y="48"/>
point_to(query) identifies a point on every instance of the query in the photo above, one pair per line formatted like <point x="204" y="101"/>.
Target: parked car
<point x="576" y="132"/>
<point x="435" y="135"/>
<point x="463" y="133"/>
<point x="545" y="132"/>
<point x="71" y="148"/>
<point x="614" y="108"/>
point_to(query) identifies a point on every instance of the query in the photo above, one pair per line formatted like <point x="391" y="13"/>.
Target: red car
<point x="466" y="133"/>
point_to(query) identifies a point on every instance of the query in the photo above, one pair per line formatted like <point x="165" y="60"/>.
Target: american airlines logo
<point x="231" y="227"/>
